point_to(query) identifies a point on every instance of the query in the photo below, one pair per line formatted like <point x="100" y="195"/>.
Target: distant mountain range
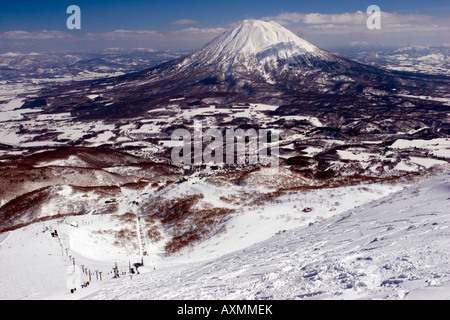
<point x="68" y="66"/>
<point x="420" y="59"/>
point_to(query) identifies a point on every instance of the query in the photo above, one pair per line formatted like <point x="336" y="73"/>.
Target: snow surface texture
<point x="395" y="247"/>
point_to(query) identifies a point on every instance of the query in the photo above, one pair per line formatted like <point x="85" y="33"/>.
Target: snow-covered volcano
<point x="252" y="62"/>
<point x="254" y="42"/>
<point x="259" y="52"/>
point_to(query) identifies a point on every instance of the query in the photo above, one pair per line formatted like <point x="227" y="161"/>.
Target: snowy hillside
<point x="394" y="246"/>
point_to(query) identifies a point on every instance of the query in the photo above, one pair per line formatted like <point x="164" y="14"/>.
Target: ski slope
<point x="394" y="247"/>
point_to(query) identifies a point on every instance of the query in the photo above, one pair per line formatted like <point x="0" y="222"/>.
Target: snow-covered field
<point x="381" y="241"/>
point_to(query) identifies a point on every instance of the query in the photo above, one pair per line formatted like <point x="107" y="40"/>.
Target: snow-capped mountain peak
<point x="252" y="37"/>
<point x="255" y="42"/>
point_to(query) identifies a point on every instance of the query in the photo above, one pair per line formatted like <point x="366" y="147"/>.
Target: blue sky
<point x="188" y="24"/>
<point x="109" y="15"/>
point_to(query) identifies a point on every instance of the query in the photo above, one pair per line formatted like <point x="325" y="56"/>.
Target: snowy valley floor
<point x="391" y="245"/>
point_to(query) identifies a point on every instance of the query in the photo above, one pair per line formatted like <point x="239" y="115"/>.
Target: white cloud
<point x="44" y="34"/>
<point x="193" y="30"/>
<point x="392" y="22"/>
<point x="327" y="29"/>
<point x="152" y="34"/>
<point x="184" y="21"/>
<point x="125" y="35"/>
